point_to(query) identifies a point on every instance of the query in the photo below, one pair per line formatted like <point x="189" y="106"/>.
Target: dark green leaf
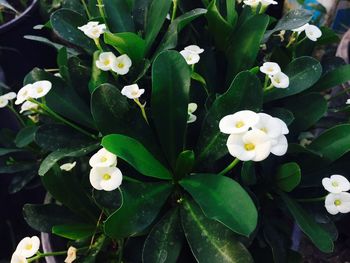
<point x="141" y="205"/>
<point x="17" y="167"/>
<point x="288" y="176"/>
<point x="303" y="72"/>
<point x="184" y="164"/>
<point x="170" y="79"/>
<point x="25" y="136"/>
<point x="333" y="78"/>
<point x="21" y="180"/>
<point x="164" y="242"/>
<point x="245" y="92"/>
<point x="319" y="236"/>
<point x="209" y="240"/>
<point x="118" y="15"/>
<point x="98" y="76"/>
<point x="135" y="154"/>
<point x="5" y="151"/>
<point x="282" y="114"/>
<point x="248" y="173"/>
<point x="223" y="200"/>
<point x="74" y="231"/>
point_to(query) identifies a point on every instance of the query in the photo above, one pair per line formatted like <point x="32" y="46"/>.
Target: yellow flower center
<point x="104" y="159"/>
<point x="120" y="65"/>
<point x="264" y="129"/>
<point x="28" y="246"/>
<point x="134" y="93"/>
<point x="40" y="90"/>
<point x="249" y="146"/>
<point x="106" y="62"/>
<point x="335" y="184"/>
<point x="239" y="124"/>
<point x="106" y="177"/>
<point x="278" y="80"/>
<point x="337" y="202"/>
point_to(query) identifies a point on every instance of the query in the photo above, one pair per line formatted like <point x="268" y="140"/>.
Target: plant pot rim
<point x="12" y="23"/>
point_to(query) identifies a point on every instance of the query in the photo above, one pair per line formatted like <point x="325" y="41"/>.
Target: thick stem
<point x="101" y="10"/>
<point x="173" y="14"/>
<point x="229" y="167"/>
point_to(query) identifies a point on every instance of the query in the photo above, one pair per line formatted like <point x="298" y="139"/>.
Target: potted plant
<point x="177" y="134"/>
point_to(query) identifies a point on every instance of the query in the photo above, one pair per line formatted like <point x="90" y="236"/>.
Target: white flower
<point x="336" y="184"/>
<point x="132" y="91"/>
<point x="190" y="57"/>
<point x="268" y="2"/>
<point x="68" y="166"/>
<point x="279" y="146"/>
<point x="195" y="49"/>
<point x="28" y="246"/>
<point x="105" y="61"/>
<point x="301" y="29"/>
<point x="17" y="258"/>
<point x="338" y="203"/>
<point x="71" y="255"/>
<point x="254" y="145"/>
<point x="103" y="158"/>
<point x="3" y="101"/>
<point x="39" y="89"/>
<point x="23" y="94"/>
<point x="270" y="68"/>
<point x="347" y="102"/>
<point x="121" y="64"/>
<point x="284" y="126"/>
<point x="106" y="178"/>
<point x="280" y="80"/>
<point x="268" y="124"/>
<point x="192" y="107"/>
<point x="252" y="3"/>
<point x="10" y="95"/>
<point x="28" y="105"/>
<point x="239" y="122"/>
<point x="313" y="32"/>
<point x="93" y="29"/>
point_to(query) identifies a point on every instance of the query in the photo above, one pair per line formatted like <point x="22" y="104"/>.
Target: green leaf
<point x="223" y="200"/>
<point x="68" y="190"/>
<point x="127" y="43"/>
<point x="135" y="154"/>
<point x="282" y="114"/>
<point x="184" y="164"/>
<point x="288" y="176"/>
<point x="292" y="20"/>
<point x="5" y="151"/>
<point x="170" y="39"/>
<point x="328" y="37"/>
<point x="43" y="217"/>
<point x="171" y="78"/>
<point x="157" y="12"/>
<point x="333" y="143"/>
<point x="98" y="76"/>
<point x="209" y="240"/>
<point x="74" y="231"/>
<point x="248" y="173"/>
<point x="141" y="205"/>
<point x="218" y="26"/>
<point x="312" y="103"/>
<point x="65" y="24"/>
<point x="303" y="72"/>
<point x="17" y="167"/>
<point x="244" y="45"/>
<point x="319" y="236"/>
<point x="164" y="242"/>
<point x="245" y="92"/>
<point x="118" y="15"/>
<point x="21" y="180"/>
<point x="59" y="154"/>
<point x="333" y="78"/>
<point x="232" y="15"/>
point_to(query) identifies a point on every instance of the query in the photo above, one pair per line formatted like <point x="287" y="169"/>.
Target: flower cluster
<point x="312" y="32"/>
<point x="36" y="90"/>
<point x="104" y="174"/>
<point x="253" y="136"/>
<point x="26" y="248"/>
<point x="108" y="61"/>
<point x="93" y="29"/>
<point x="255" y="3"/>
<point x="338" y="199"/>
<point x="274" y="72"/>
<point x="191" y="54"/>
<point x="6" y="98"/>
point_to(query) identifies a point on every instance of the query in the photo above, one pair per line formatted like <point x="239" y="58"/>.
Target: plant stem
<point x="120" y="250"/>
<point x="173" y="14"/>
<point x="101" y="9"/>
<point x="98" y="45"/>
<point x="267" y="78"/>
<point x="310" y="200"/>
<point x="229" y="167"/>
<point x="41" y="255"/>
<point x="86" y="9"/>
<point x="10" y="107"/>
<point x="142" y="107"/>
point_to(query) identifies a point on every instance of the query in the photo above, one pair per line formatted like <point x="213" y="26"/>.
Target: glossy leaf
<point x="118" y="15"/>
<point x="65" y="24"/>
<point x="164" y="242"/>
<point x="5" y="151"/>
<point x="209" y="240"/>
<point x="184" y="164"/>
<point x="223" y="200"/>
<point x="333" y="78"/>
<point x="288" y="176"/>
<point x="98" y="76"/>
<point x="74" y="231"/>
<point x="25" y="136"/>
<point x="244" y="93"/>
<point x="135" y="154"/>
<point x="303" y="72"/>
<point x="170" y="79"/>
<point x="141" y="205"/>
<point x="333" y="143"/>
<point x="317" y="234"/>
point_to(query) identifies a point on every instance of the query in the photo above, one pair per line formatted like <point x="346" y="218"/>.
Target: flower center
<point x="104" y="159"/>
<point x="28" y="246"/>
<point x="278" y="80"/>
<point x="134" y="93"/>
<point x="120" y="65"/>
<point x="335" y="184"/>
<point x="239" y="124"/>
<point x="270" y="69"/>
<point x="106" y="62"/>
<point x="106" y="177"/>
<point x="40" y="90"/>
<point x="249" y="146"/>
<point x="337" y="202"/>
